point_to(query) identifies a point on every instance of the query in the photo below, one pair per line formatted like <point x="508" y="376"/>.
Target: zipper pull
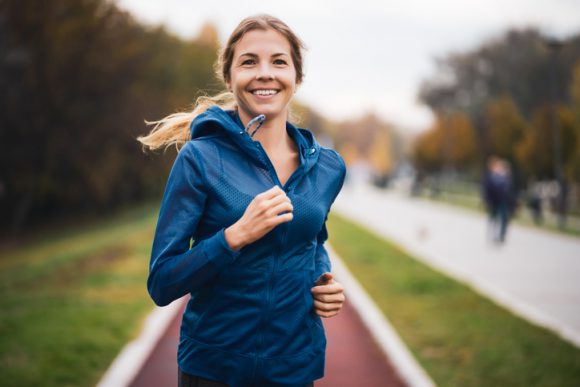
<point x="260" y="120"/>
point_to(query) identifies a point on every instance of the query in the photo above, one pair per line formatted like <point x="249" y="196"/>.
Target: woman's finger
<point x="276" y="220"/>
<point x="269" y="194"/>
<point x="337" y="297"/>
<point x="324" y="279"/>
<point x="326" y="314"/>
<point x="280" y="208"/>
<point x="280" y="198"/>
<point x="325" y="306"/>
<point x="331" y="288"/>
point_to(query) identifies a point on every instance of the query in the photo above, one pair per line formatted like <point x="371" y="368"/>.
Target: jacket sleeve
<point x="321" y="260"/>
<point x="175" y="268"/>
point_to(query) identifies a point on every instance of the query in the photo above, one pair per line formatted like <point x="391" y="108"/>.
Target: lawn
<point x="71" y="300"/>
<point x="459" y="337"/>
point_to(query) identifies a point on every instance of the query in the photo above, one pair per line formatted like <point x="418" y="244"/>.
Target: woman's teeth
<point x="265" y="92"/>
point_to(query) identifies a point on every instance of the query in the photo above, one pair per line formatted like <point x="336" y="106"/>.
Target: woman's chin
<point x="269" y="112"/>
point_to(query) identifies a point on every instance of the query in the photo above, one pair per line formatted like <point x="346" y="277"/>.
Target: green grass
<point x="72" y="299"/>
<point x="459" y="337"/>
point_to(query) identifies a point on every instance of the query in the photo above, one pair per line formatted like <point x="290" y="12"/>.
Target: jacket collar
<point x="217" y="121"/>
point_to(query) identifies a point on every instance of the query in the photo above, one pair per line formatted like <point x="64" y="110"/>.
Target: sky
<point x="368" y="55"/>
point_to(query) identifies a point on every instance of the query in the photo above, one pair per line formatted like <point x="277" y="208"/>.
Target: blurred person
<point x="498" y="197"/>
<point x="253" y="193"/>
<point x="534" y="203"/>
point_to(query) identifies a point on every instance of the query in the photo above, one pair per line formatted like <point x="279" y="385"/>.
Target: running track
<point x="352" y="358"/>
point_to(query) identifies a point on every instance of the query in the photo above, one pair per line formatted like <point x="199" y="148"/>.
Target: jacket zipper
<point x="270" y="290"/>
<point x="270" y="287"/>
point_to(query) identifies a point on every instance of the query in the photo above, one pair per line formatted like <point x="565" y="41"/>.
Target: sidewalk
<point x="353" y="358"/>
<point x="536" y="274"/>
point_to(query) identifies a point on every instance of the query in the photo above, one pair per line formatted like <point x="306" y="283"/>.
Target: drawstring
<point x="260" y="120"/>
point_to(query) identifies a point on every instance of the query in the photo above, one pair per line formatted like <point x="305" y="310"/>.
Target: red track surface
<point x="352" y="358"/>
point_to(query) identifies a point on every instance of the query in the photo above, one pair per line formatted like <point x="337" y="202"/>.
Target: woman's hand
<point x="267" y="210"/>
<point x="328" y="296"/>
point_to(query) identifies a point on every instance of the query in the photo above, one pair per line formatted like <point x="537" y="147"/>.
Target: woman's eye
<point x="279" y="62"/>
<point x="248" y="62"/>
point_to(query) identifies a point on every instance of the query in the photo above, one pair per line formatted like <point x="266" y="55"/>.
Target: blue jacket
<point x="250" y="318"/>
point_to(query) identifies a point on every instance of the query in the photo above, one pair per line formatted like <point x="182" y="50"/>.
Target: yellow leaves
<point x="450" y="141"/>
<point x="506" y="127"/>
<point x="380" y="152"/>
<point x="368" y="139"/>
<point x="535" y="153"/>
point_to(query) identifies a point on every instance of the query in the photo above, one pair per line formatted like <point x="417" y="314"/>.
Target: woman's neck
<point x="272" y="135"/>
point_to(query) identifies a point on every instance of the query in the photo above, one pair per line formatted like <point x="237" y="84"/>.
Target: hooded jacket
<point x="250" y="318"/>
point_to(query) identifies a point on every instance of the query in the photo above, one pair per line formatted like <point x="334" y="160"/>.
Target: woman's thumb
<point x="324" y="279"/>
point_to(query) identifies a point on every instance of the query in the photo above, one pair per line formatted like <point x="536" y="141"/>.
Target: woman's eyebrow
<point x="252" y="55"/>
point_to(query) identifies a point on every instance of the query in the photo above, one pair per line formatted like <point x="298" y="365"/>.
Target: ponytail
<point x="174" y="129"/>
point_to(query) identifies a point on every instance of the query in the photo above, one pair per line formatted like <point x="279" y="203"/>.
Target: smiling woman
<point x="263" y="77"/>
<point x="255" y="207"/>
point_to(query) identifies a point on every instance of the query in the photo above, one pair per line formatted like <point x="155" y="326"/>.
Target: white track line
<point x="375" y="321"/>
<point x="132" y="358"/>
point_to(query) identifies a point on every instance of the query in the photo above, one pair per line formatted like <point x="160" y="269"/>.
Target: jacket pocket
<point x="230" y="319"/>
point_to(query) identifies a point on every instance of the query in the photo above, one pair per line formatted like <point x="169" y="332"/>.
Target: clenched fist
<point x="328" y="296"/>
<point x="267" y="210"/>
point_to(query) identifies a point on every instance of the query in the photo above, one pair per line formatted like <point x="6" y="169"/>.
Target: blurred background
<point x="420" y="99"/>
<point x="421" y="90"/>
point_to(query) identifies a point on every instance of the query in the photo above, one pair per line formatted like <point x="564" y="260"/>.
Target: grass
<point x="71" y="300"/>
<point x="460" y="337"/>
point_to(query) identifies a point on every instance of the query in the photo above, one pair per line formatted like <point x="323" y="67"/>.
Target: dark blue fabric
<point x="249" y="320"/>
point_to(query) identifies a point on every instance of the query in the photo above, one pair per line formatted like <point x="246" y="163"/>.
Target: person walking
<point x="242" y="222"/>
<point x="498" y="197"/>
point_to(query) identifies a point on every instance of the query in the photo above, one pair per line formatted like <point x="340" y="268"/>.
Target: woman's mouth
<point x="265" y="93"/>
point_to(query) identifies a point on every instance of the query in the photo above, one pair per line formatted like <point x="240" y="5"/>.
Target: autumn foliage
<point x="511" y="97"/>
<point x="78" y="79"/>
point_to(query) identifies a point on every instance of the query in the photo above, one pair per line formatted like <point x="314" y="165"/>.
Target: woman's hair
<point x="174" y="129"/>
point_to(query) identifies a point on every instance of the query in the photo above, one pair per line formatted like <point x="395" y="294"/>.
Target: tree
<point x="574" y="168"/>
<point x="516" y="64"/>
<point x="506" y="127"/>
<point x="82" y="76"/>
<point x="370" y="139"/>
<point x="428" y="149"/>
<point x="536" y="153"/>
<point x="450" y="142"/>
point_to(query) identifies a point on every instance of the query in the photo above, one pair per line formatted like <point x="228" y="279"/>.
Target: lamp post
<point x="554" y="46"/>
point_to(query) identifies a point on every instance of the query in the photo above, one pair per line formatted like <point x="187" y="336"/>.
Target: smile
<point x="265" y="92"/>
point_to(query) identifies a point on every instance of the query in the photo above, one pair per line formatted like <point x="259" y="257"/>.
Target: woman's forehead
<point x="257" y="42"/>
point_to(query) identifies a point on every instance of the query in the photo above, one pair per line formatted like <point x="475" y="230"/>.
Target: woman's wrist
<point x="234" y="237"/>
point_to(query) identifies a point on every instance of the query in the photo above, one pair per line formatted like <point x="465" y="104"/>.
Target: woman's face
<point x="262" y="77"/>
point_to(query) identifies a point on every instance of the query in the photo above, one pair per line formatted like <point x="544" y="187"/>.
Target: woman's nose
<point x="264" y="72"/>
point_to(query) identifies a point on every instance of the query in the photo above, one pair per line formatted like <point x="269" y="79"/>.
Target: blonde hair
<point x="174" y="129"/>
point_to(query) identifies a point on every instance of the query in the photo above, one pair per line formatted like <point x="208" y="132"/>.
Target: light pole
<point x="554" y="46"/>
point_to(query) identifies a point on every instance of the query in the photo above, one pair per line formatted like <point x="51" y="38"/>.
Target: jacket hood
<point x="215" y="121"/>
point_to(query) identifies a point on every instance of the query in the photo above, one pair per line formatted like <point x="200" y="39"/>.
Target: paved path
<point x="353" y="358"/>
<point x="535" y="274"/>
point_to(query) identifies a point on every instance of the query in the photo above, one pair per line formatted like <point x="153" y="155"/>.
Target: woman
<point x="253" y="192"/>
